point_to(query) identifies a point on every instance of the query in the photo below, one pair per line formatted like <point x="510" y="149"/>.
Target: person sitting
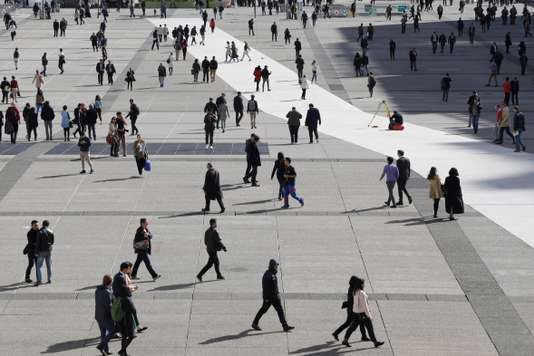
<point x="396" y="121"/>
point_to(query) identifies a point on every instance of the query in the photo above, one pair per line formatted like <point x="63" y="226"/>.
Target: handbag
<point x="344" y="305"/>
<point x="26" y="249"/>
<point x="148" y="165"/>
<point x="141" y="245"/>
<point x="117" y="314"/>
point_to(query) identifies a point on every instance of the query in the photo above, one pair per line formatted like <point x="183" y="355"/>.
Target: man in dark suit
<point x="143" y="248"/>
<point x="271" y="296"/>
<point x="213" y="245"/>
<point x="238" y="108"/>
<point x="253" y="160"/>
<point x="212" y="188"/>
<point x="403" y="165"/>
<point x="313" y="118"/>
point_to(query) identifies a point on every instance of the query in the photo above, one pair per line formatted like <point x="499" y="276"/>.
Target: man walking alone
<point x="213" y="245"/>
<point x="143" y="247"/>
<point x="271" y="296"/>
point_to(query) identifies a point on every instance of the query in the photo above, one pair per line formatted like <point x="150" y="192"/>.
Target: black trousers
<point x="140" y="164"/>
<point x="110" y="78"/>
<point x="507" y="130"/>
<point x="238" y="117"/>
<point x="29" y="130"/>
<point x="91" y="131"/>
<point x="205" y="76"/>
<point x="401" y="185"/>
<point x="294" y="133"/>
<point x="101" y="78"/>
<point x="209" y="138"/>
<point x="515" y="98"/>
<point x="13" y="134"/>
<point x="251" y="172"/>
<point x="362" y="319"/>
<point x="133" y="120"/>
<point x="208" y="201"/>
<point x="277" y="305"/>
<point x="142" y="256"/>
<point x="436" y="206"/>
<point x="213" y="261"/>
<point x="312" y="130"/>
<point x="347" y="323"/>
<point x="31" y="263"/>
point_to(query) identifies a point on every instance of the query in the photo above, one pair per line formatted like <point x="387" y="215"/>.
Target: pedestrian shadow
<point x="263" y="211"/>
<point x="14" y="286"/>
<point x="59" y="176"/>
<point x="242" y="334"/>
<point x="173" y="287"/>
<point x="254" y="202"/>
<point x="181" y="215"/>
<point x="116" y="179"/>
<point x="364" y="210"/>
<point x="86" y="288"/>
<point x="70" y="345"/>
<point x="417" y="221"/>
<point x="320" y="349"/>
<point x="228" y="187"/>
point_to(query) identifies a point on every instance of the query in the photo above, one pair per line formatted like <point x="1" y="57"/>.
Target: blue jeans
<point x="107" y="330"/>
<point x="44" y="256"/>
<point x="518" y="143"/>
<point x="475" y="123"/>
<point x="289" y="189"/>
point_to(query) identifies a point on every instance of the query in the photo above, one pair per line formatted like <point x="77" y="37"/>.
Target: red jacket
<point x="507" y="87"/>
<point x="257" y="74"/>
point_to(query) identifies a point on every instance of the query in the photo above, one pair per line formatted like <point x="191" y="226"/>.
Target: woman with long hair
<point x="435" y="192"/>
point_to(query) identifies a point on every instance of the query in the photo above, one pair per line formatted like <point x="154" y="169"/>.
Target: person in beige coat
<point x="435" y="192"/>
<point x="504" y="125"/>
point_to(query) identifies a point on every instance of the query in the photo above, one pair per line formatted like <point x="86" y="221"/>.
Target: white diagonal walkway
<point x="495" y="181"/>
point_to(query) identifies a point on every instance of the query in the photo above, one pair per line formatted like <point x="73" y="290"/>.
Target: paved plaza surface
<point x="437" y="287"/>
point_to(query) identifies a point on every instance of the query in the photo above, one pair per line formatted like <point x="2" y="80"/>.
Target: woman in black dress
<point x="454" y="203"/>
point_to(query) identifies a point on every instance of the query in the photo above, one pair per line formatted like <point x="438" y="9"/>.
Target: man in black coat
<point x="253" y="160"/>
<point x="271" y="296"/>
<point x="47" y="115"/>
<point x="213" y="245"/>
<point x="205" y="69"/>
<point x="403" y="165"/>
<point x="313" y="118"/>
<point x="29" y="250"/>
<point x="238" y="108"/>
<point x="212" y="188"/>
<point x="103" y="301"/>
<point x="143" y="247"/>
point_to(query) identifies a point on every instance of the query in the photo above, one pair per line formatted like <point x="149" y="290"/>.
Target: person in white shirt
<point x="362" y="314"/>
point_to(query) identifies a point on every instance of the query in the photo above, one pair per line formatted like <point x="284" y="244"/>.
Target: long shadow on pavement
<point x="70" y="345"/>
<point x="245" y="333"/>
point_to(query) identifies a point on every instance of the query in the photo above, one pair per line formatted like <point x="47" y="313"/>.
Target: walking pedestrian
<point x="304" y="86"/>
<point x="133" y="114"/>
<point x="85" y="144"/>
<point x="371" y="82"/>
<point x="514" y="84"/>
<point x="238" y="108"/>
<point x="504" y="124"/>
<point x="209" y="127"/>
<point x="246" y="50"/>
<point x="213" y="65"/>
<point x="361" y="315"/>
<point x="435" y="189"/>
<point x="212" y="191"/>
<point x="130" y="78"/>
<point x="142" y="245"/>
<point x="11" y="126"/>
<point x="413" y="60"/>
<point x="253" y="160"/>
<point x="162" y="73"/>
<point x="103" y="302"/>
<point x="404" y="169"/>
<point x="507" y="90"/>
<point x="392" y="174"/>
<point x="314" y="66"/>
<point x="313" y="118"/>
<point x="140" y="153"/>
<point x="30" y="249"/>
<point x="293" y="123"/>
<point x="65" y="124"/>
<point x="349" y="306"/>
<point x="518" y="129"/>
<point x="213" y="243"/>
<point x="279" y="170"/>
<point x="271" y="297"/>
<point x="290" y="176"/>
<point x="252" y="110"/>
<point x="43" y="252"/>
<point x="445" y="87"/>
<point x="265" y="74"/>
<point x="123" y="297"/>
<point x="257" y="77"/>
<point x="222" y="114"/>
<point x="453" y="194"/>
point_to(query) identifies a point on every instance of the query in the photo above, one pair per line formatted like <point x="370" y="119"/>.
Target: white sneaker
<point x="207" y="146"/>
<point x="211" y="148"/>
